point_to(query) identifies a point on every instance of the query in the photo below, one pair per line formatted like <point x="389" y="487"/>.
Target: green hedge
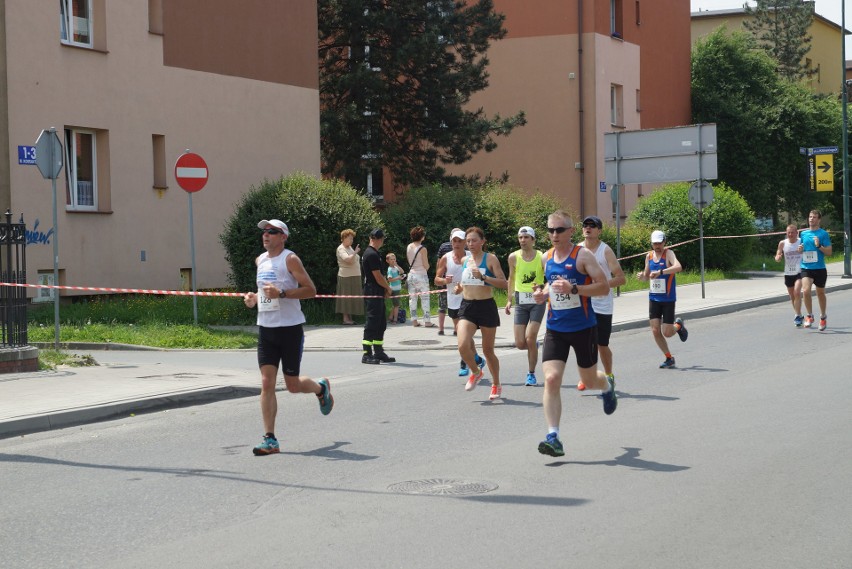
<point x="316" y="211"/>
<point x="670" y="210"/>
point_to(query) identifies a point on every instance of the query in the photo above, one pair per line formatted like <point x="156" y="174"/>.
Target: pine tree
<point x="396" y="80"/>
<point x="781" y="28"/>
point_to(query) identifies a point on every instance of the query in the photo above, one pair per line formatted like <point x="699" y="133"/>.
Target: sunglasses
<point x="272" y="231"/>
<point x="594" y="225"/>
<point x="557" y="229"/>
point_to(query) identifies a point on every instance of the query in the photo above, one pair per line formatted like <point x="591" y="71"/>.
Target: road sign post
<point x="49" y="160"/>
<point x="191" y="175"/>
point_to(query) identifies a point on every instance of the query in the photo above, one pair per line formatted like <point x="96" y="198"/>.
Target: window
<point x="616" y="105"/>
<point x="615" y="24"/>
<point x="159" y="147"/>
<point x="638" y="101"/>
<point x="80" y="170"/>
<point x="76" y="22"/>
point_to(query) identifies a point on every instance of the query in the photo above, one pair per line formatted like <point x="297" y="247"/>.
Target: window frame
<point x="72" y="196"/>
<point x="66" y="21"/>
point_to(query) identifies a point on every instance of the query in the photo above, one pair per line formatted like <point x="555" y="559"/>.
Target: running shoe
<point x="798" y="320"/>
<point x="326" y="401"/>
<point x="822" y="323"/>
<point x="473" y="380"/>
<point x="681" y="332"/>
<point x="581" y="386"/>
<point x="384" y="358"/>
<point x="480" y="361"/>
<point x="269" y="445"/>
<point x="610" y="399"/>
<point x="668" y="363"/>
<point x="809" y="320"/>
<point x="463" y="371"/>
<point x="496" y="392"/>
<point x="530" y="379"/>
<point x="551" y="446"/>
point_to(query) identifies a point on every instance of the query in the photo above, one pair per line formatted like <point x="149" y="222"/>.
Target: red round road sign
<point x="191" y="172"/>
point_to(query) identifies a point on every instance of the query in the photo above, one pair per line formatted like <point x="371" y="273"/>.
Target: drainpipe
<point x="580" y="109"/>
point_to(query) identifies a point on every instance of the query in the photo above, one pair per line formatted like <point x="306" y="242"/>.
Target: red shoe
<point x="496" y="392"/>
<point x="581" y="386"/>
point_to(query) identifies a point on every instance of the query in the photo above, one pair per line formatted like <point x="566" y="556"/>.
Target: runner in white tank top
<point x="788" y="251"/>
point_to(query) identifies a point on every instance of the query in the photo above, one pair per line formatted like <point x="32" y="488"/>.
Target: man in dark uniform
<point x="376" y="288"/>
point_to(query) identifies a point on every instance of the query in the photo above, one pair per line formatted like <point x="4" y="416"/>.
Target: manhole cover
<point x="441" y="486"/>
<point x="420" y="342"/>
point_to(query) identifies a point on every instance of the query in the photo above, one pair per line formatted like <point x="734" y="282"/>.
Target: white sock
<point x="554" y="430"/>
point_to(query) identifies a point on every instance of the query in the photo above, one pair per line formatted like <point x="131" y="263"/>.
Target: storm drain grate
<point x="439" y="486"/>
<point x="420" y="342"/>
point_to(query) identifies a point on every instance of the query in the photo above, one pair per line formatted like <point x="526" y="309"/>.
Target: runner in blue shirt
<point x="815" y="245"/>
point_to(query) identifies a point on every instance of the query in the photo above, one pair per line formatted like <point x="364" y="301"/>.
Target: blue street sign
<point x="27" y="155"/>
<point x="822" y="150"/>
<point x="602" y="186"/>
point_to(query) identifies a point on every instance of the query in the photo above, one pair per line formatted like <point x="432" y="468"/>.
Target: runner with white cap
<point x="525" y="273"/>
<point x="661" y="265"/>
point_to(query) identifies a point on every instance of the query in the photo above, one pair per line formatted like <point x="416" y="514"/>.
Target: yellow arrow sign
<point x="824" y="165"/>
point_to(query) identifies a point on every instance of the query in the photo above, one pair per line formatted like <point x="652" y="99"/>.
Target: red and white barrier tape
<point x="240" y="294"/>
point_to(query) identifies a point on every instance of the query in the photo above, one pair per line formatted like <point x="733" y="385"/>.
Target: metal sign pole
<point x="192" y="253"/>
<point x="701" y="210"/>
<point x="55" y="266"/>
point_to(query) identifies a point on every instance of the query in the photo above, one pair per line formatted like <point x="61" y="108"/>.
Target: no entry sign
<point x="191" y="172"/>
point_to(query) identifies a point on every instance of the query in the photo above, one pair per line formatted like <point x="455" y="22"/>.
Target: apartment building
<point x="129" y="86"/>
<point x="580" y="69"/>
<point x="824" y="60"/>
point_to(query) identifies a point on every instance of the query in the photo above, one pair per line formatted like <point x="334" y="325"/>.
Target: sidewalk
<point x="44" y="400"/>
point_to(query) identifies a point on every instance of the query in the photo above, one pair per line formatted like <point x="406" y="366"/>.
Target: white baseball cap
<point x="459" y="234"/>
<point x="526" y="230"/>
<point x="658" y="237"/>
<point x="274" y="223"/>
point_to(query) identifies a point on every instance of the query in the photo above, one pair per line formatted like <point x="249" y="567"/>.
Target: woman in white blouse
<point x="349" y="278"/>
<point x="418" y="279"/>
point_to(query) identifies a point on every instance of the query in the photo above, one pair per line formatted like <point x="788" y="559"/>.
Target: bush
<point x="498" y="209"/>
<point x="436" y="208"/>
<point x="670" y="210"/>
<point x="316" y="211"/>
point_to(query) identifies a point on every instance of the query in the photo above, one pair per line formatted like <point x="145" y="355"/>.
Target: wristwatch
<point x="574" y="289"/>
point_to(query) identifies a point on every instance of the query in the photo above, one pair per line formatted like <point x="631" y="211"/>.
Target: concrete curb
<point x="95" y="413"/>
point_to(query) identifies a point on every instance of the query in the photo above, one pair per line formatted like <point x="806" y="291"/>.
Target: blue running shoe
<point x="530" y="379"/>
<point x="799" y="320"/>
<point x="326" y="401"/>
<point x="268" y="446"/>
<point x="463" y="371"/>
<point x="610" y="399"/>
<point x="551" y="446"/>
<point x="668" y="363"/>
<point x="480" y="361"/>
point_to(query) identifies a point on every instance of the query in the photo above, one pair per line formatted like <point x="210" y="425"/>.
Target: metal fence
<point x="13" y="269"/>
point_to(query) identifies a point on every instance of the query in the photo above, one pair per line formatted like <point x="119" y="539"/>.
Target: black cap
<point x="594" y="220"/>
<point x="377" y="233"/>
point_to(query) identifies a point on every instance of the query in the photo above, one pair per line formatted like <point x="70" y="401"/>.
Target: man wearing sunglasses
<point x="603" y="305"/>
<point x="572" y="276"/>
<point x="281" y="282"/>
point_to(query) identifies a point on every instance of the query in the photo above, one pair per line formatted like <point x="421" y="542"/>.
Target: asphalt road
<point x="737" y="458"/>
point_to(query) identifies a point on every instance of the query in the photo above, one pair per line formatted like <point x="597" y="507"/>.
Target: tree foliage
<point x="762" y="120"/>
<point x="782" y="29"/>
<point x="316" y="211"/>
<point x="396" y="80"/>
